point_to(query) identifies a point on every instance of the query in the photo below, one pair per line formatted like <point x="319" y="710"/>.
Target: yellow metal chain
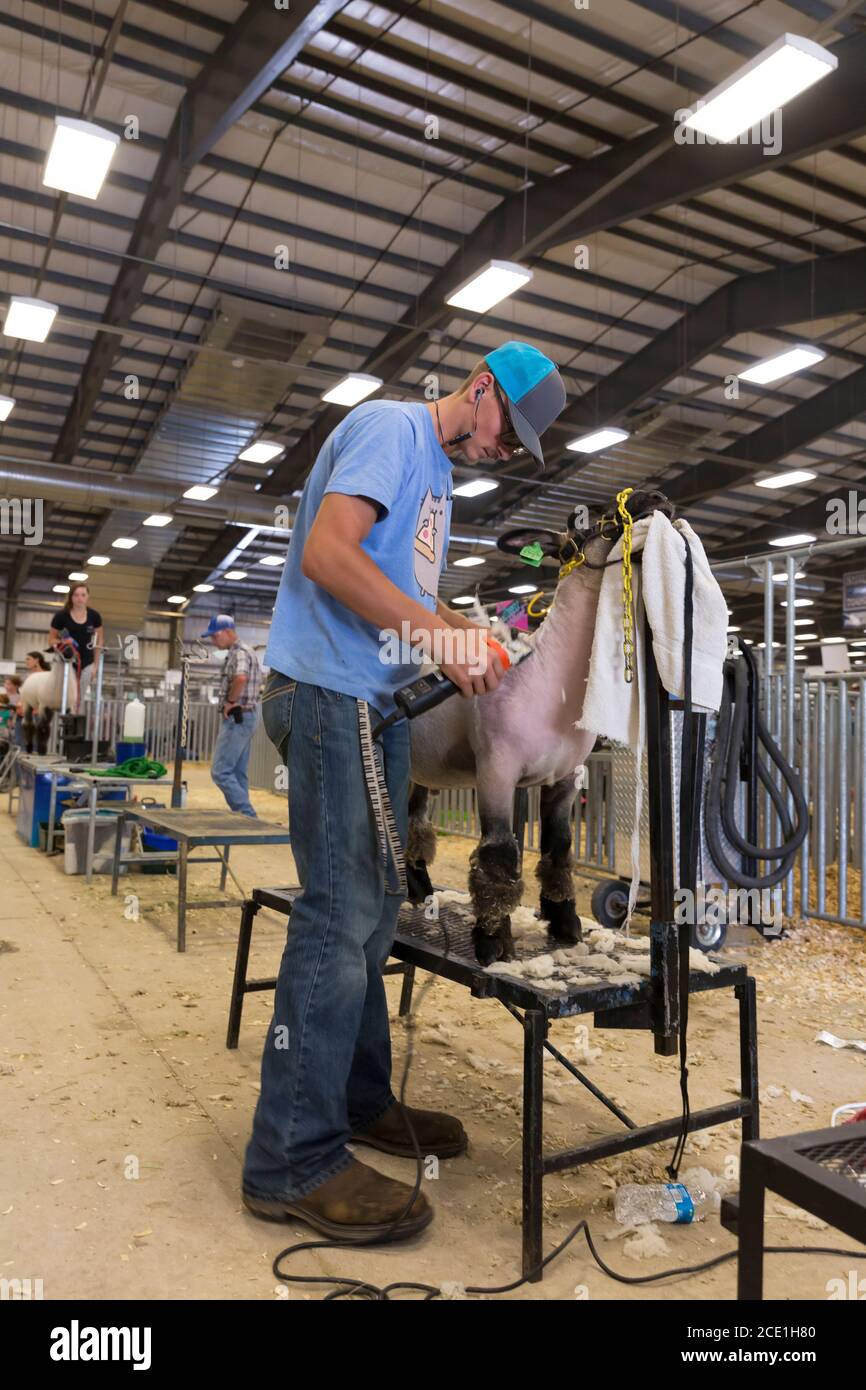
<point x="531" y="608"/>
<point x="627" y="597"/>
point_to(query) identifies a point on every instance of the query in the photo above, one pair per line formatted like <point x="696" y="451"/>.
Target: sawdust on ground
<point x="124" y="1117"/>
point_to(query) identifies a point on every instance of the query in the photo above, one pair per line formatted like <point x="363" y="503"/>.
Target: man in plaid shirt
<point x="239" y="698"/>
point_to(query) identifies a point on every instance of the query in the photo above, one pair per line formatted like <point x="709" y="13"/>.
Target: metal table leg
<point x="182" y="861"/>
<point x="52" y="812"/>
<point x="750" y="1228"/>
<point x="245" y="936"/>
<point x="747" y="995"/>
<point x="534" y="1030"/>
<point x="91" y="834"/>
<point x="118" y="847"/>
<point x="225" y="867"/>
<point x="406" y="991"/>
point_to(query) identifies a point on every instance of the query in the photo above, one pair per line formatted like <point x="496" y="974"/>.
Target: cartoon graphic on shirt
<point x="429" y="541"/>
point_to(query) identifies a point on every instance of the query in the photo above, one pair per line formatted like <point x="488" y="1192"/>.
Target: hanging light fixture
<point x="773" y="77"/>
<point x="489" y="286"/>
<point x="30" y="319"/>
<point x="354" y="387"/>
<point x="79" y="158"/>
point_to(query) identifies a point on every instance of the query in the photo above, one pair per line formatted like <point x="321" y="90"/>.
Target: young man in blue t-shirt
<point x="368" y="544"/>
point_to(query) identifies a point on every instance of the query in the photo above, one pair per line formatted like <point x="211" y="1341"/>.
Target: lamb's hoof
<point x="418" y="885"/>
<point x="562" y="920"/>
<point x="493" y="946"/>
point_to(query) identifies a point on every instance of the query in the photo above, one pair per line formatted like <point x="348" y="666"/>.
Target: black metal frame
<point x="613" y="1006"/>
<point x="787" y="1167"/>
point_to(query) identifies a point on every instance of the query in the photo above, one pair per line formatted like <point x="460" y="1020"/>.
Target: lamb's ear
<point x="512" y="542"/>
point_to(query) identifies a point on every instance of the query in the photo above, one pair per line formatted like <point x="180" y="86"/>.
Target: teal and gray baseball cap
<point x="533" y="389"/>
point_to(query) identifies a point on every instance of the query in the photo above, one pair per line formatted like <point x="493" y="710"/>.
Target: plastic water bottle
<point x="636" y="1204"/>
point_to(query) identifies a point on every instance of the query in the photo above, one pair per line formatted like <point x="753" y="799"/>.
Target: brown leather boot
<point x="438" y="1134"/>
<point x="356" y="1204"/>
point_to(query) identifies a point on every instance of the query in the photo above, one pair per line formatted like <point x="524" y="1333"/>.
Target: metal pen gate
<point x="160" y="724"/>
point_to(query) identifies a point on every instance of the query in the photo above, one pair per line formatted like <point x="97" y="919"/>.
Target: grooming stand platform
<point x="443" y="946"/>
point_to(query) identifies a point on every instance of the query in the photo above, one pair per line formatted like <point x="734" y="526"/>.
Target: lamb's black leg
<point x="420" y="846"/>
<point x="554" y="869"/>
<point x="494" y="882"/>
<point x="43" y="731"/>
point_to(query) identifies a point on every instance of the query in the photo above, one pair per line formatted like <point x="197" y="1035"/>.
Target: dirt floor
<point x="123" y="1118"/>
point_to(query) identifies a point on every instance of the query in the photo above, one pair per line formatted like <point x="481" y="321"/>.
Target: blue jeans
<point x="326" y="1066"/>
<point x="231" y="757"/>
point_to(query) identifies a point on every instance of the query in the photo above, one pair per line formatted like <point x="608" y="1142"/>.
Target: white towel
<point x="612" y="707"/>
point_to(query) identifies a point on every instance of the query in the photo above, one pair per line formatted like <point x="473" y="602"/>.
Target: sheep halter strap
<point x="627" y="598"/>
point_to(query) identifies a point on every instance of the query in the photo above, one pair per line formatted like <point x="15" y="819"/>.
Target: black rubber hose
<point x="720" y="806"/>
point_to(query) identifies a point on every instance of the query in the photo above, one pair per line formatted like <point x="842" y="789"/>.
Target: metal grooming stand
<point x="652" y="1005"/>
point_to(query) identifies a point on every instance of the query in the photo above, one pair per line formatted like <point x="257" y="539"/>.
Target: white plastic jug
<point x="133" y="721"/>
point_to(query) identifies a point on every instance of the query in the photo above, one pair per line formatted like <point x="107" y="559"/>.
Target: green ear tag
<point x="532" y="554"/>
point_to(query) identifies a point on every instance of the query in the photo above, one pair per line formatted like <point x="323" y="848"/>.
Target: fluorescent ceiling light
<point x="158" y="519"/>
<point x="800" y="538"/>
<point x="272" y="560"/>
<point x="487" y="287"/>
<point x="475" y="487"/>
<point x="200" y="492"/>
<point x="782" y="578"/>
<point x="79" y="157"/>
<point x="523" y="589"/>
<point x="800" y="656"/>
<point x="796" y="359"/>
<point x="7" y="405"/>
<point x="203" y="588"/>
<point x="734" y="629"/>
<point x="464" y="598"/>
<point x="235" y="574"/>
<point x="797" y="475"/>
<point x="78" y="574"/>
<point x="804" y="622"/>
<point x="600" y="439"/>
<point x="352" y="389"/>
<point x="800" y="603"/>
<point x="124" y="543"/>
<point x="60" y="588"/>
<point x="176" y="598"/>
<point x="469" y="560"/>
<point x="99" y="559"/>
<point x="29" y="318"/>
<point x="832" y="641"/>
<point x="262" y="452"/>
<point x="775" y="75"/>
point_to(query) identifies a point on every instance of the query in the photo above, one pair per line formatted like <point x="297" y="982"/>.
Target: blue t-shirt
<point x="387" y="451"/>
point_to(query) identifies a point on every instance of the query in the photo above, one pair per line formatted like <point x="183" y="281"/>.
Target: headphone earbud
<point x="479" y="393"/>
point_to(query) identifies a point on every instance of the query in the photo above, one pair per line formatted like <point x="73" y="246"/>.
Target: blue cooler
<point x="130" y="750"/>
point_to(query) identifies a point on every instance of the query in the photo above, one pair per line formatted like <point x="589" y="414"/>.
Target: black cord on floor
<point x="356" y="1288"/>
